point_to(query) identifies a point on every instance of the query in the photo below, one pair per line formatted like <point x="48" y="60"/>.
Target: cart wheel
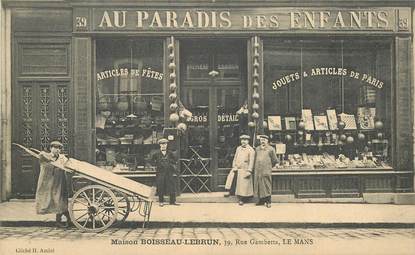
<point x="92" y="208"/>
<point x="124" y="207"/>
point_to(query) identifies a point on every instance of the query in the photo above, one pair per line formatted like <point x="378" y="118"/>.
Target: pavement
<point x="22" y="212"/>
<point x="221" y="228"/>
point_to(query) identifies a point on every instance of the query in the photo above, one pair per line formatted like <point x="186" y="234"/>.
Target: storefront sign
<point x="124" y="72"/>
<point x="223" y="118"/>
<point x="269" y="19"/>
<point x="328" y="71"/>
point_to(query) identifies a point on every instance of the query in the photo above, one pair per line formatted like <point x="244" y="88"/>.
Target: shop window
<point x="129" y="97"/>
<point x="327" y="103"/>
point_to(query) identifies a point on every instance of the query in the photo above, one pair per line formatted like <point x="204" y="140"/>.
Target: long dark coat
<point x="265" y="159"/>
<point x="166" y="166"/>
<point x="51" y="192"/>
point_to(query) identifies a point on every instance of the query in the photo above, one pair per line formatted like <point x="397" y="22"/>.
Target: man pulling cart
<point x="92" y="208"/>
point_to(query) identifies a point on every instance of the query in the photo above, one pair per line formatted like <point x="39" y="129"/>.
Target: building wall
<point x="5" y="106"/>
<point x="80" y="48"/>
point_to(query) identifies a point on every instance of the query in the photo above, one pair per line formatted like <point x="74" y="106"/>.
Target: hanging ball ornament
<point x="341" y="125"/>
<point x="380" y="135"/>
<point x="256" y="64"/>
<point x="255" y="115"/>
<point x="255" y="84"/>
<point x="174" y="117"/>
<point x="173" y="86"/>
<point x="288" y="138"/>
<point x="301" y="124"/>
<point x="361" y="136"/>
<point x="343" y="137"/>
<point x="251" y="124"/>
<point x="369" y="143"/>
<point x="265" y="124"/>
<point x="172" y="96"/>
<point x="171" y="56"/>
<point x="340" y="143"/>
<point x="300" y="132"/>
<point x="170" y="46"/>
<point x="173" y="107"/>
<point x="378" y="124"/>
<point x="350" y="139"/>
<point x="173" y="75"/>
<point x="172" y="66"/>
<point x="182" y="127"/>
<point x="255" y="96"/>
<point x="255" y="106"/>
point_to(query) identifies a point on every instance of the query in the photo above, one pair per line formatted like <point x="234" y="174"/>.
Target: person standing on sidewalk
<point x="265" y="159"/>
<point x="243" y="163"/>
<point x="165" y="163"/>
<point x="52" y="190"/>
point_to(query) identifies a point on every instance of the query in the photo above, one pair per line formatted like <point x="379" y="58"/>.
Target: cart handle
<point x="31" y="151"/>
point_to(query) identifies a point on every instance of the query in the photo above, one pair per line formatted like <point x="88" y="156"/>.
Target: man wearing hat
<point x="165" y="163"/>
<point x="264" y="161"/>
<point x="243" y="163"/>
<point x="52" y="190"/>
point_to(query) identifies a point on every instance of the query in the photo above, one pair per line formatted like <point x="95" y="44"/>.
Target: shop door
<point x="213" y="89"/>
<point x="41" y="115"/>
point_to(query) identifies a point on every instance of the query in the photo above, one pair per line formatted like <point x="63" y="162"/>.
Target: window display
<point x="334" y="99"/>
<point x="129" y="103"/>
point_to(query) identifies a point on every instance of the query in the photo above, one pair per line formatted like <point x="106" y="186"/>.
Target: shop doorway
<point x="213" y="88"/>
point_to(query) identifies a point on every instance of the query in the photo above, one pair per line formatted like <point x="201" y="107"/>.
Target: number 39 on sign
<point x="81" y="22"/>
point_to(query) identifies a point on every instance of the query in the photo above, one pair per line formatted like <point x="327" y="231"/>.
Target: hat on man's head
<point x="246" y="137"/>
<point x="56" y="144"/>
<point x="264" y="136"/>
<point x="163" y="141"/>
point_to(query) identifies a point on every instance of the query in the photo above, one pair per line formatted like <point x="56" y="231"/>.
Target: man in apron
<point x="52" y="190"/>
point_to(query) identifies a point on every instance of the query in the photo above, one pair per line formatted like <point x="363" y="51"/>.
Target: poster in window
<point x="280" y="148"/>
<point x="332" y="118"/>
<point x="320" y="122"/>
<point x="307" y="117"/>
<point x="366" y="117"/>
<point x="290" y="123"/>
<point x="349" y="120"/>
<point x="274" y="123"/>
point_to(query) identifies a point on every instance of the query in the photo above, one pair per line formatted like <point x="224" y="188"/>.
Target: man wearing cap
<point x="52" y="190"/>
<point x="243" y="163"/>
<point x="264" y="161"/>
<point x="165" y="163"/>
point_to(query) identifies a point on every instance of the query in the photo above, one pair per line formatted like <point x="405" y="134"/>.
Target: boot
<point x="59" y="223"/>
<point x="68" y="219"/>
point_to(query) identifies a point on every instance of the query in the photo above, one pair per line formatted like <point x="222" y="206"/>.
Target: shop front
<point x="330" y="85"/>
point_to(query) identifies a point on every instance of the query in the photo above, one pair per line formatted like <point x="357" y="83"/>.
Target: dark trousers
<point x="172" y="197"/>
<point x="244" y="199"/>
<point x="166" y="185"/>
<point x="264" y="200"/>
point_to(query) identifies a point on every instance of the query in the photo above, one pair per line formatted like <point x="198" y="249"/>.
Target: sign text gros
<point x="153" y="19"/>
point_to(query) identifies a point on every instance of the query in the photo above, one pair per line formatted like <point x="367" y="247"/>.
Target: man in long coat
<point x="52" y="190"/>
<point x="265" y="159"/>
<point x="165" y="163"/>
<point x="243" y="163"/>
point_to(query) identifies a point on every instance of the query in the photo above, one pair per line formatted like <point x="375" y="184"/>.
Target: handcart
<point x="94" y="208"/>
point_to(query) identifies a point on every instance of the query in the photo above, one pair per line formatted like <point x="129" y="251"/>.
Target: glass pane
<point x="228" y="125"/>
<point x="228" y="66"/>
<point x="129" y="96"/>
<point x="197" y="66"/>
<point x="197" y="101"/>
<point x="340" y="89"/>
